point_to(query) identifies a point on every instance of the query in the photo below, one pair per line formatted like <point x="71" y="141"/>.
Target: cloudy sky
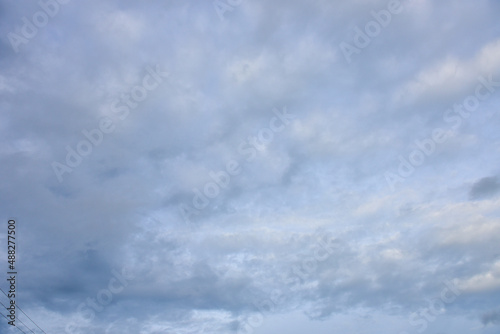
<point x="252" y="166"/>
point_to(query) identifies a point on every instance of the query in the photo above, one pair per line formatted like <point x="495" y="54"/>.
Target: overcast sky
<point x="252" y="166"/>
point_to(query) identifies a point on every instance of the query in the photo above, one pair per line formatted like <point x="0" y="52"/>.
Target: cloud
<point x="484" y="188"/>
<point x="492" y="318"/>
<point x="259" y="240"/>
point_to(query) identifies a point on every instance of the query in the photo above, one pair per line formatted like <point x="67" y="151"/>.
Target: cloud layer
<point x="224" y="167"/>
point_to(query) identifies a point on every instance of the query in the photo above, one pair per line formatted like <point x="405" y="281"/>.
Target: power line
<point x="20" y="309"/>
<point x="14" y="326"/>
<point x="19" y="320"/>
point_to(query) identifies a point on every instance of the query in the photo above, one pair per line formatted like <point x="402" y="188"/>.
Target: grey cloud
<point x="485" y="188"/>
<point x="323" y="174"/>
<point x="491" y="318"/>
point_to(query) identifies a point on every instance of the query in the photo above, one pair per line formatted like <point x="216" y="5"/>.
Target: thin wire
<point x="20" y="309"/>
<point x="19" y="320"/>
<point x="14" y="326"/>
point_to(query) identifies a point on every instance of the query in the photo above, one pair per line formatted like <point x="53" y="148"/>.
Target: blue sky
<point x="252" y="166"/>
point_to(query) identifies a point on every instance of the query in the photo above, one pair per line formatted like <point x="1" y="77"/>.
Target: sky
<point x="251" y="166"/>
